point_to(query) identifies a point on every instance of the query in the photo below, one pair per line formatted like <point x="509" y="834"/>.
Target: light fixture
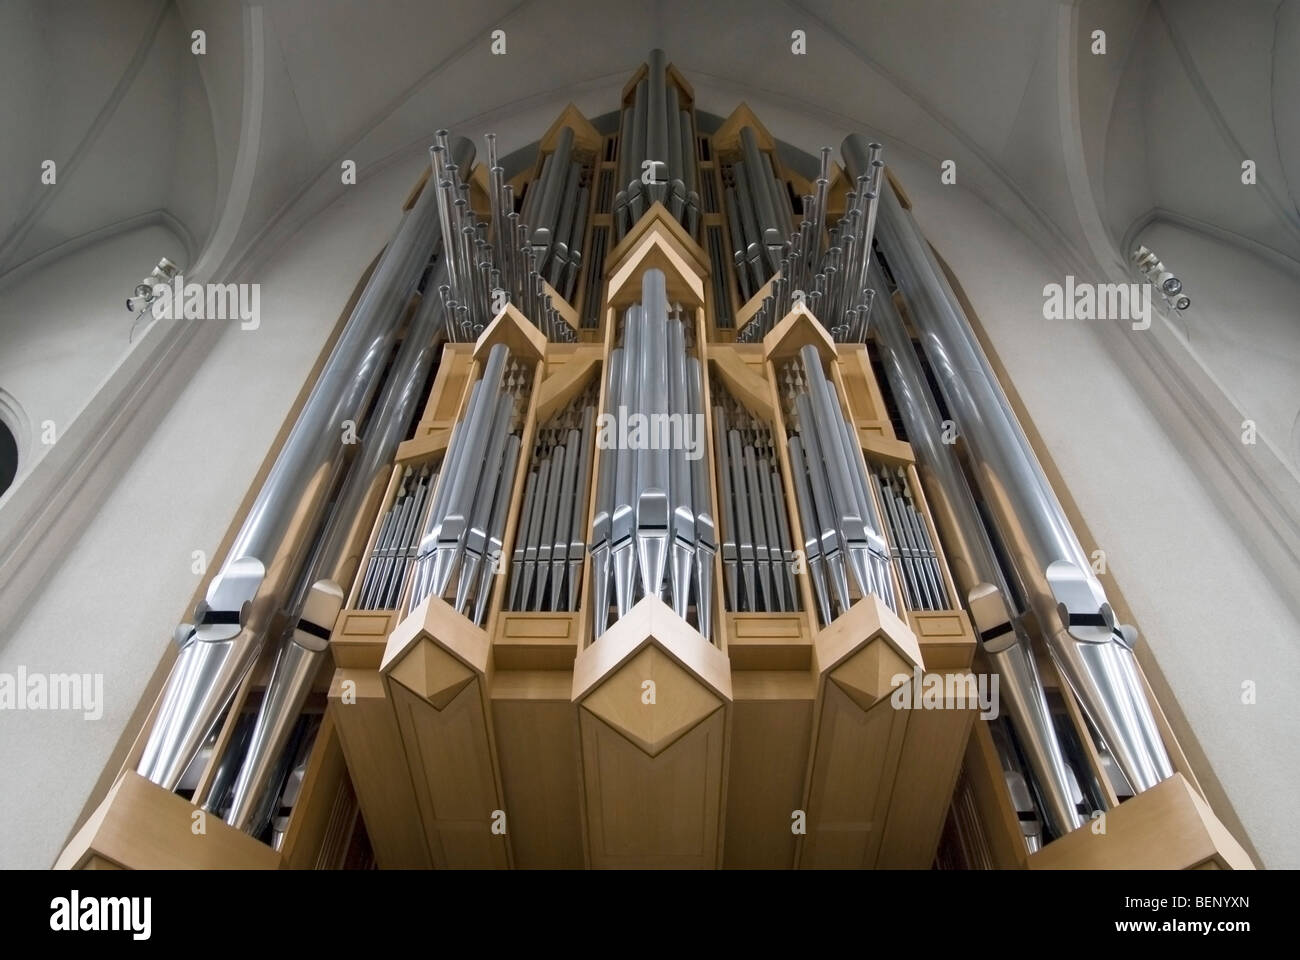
<point x="1169" y="286"/>
<point x="142" y="297"/>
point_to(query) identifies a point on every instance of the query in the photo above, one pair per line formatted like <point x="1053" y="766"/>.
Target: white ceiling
<point x="142" y="128"/>
<point x="1208" y="84"/>
<point x="108" y="92"/>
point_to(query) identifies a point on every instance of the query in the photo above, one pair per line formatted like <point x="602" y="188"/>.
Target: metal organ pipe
<point x="463" y="531"/>
<point x="320" y="595"/>
<point x="757" y="551"/>
<point x="656" y="138"/>
<point x="551" y="537"/>
<point x="1093" y="652"/>
<point x="265" y="560"/>
<point x="653" y="532"/>
<point x="545" y="240"/>
<point x="988" y="597"/>
<point x="760" y="178"/>
<point x="828" y="273"/>
<point x="832" y="488"/>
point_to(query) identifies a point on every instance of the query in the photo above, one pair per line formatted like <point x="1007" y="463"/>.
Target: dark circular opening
<point x="8" y="457"/>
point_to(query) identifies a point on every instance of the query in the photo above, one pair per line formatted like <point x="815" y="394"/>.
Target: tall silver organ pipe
<point x="460" y="550"/>
<point x="551" y="538"/>
<point x="256" y="582"/>
<point x="988" y="596"/>
<point x="656" y="137"/>
<point x="847" y="556"/>
<point x="557" y="204"/>
<point x="1093" y="652"/>
<point x="653" y="529"/>
<point x="320" y="594"/>
<point x="758" y="559"/>
<point x="758" y="216"/>
<point x="916" y="564"/>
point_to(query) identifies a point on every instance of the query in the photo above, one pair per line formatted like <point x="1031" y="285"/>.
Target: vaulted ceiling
<point x="1206" y="86"/>
<point x="108" y="92"/>
<point x="235" y="147"/>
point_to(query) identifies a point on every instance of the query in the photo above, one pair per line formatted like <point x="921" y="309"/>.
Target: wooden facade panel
<point x="372" y="747"/>
<point x="451" y="765"/>
<point x="537" y="741"/>
<point x="933" y="748"/>
<point x="653" y="812"/>
<point x="857" y="754"/>
<point x="769" y="757"/>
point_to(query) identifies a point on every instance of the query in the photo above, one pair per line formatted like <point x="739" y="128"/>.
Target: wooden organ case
<point x="528" y="741"/>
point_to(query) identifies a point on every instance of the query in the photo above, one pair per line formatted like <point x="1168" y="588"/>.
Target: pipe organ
<point x="689" y="525"/>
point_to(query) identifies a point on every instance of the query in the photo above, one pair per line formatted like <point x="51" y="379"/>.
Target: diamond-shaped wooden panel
<point x="858" y="735"/>
<point x="867" y="675"/>
<point x="679" y="701"/>
<point x="431" y="673"/>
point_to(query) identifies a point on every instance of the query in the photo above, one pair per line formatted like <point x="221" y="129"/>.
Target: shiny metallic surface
<point x="544" y="576"/>
<point x="653" y="533"/>
<point x="841" y="508"/>
<point x="753" y="519"/>
<point x="825" y="270"/>
<point x="508" y="258"/>
<point x="987" y="595"/>
<point x="1066" y="597"/>
<point x="656" y="157"/>
<point x="300" y="656"/>
<point x="267" y="555"/>
<point x="295" y="668"/>
<point x="456" y="559"/>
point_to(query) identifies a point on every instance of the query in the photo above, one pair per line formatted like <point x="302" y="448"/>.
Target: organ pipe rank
<point x="840" y="528"/>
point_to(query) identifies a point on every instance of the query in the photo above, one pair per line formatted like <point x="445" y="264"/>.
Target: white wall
<point x="1244" y="325"/>
<point x="64" y="329"/>
<point x="109" y="92"/>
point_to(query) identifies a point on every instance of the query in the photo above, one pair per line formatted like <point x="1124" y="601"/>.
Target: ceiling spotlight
<point x="1170" y="286"/>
